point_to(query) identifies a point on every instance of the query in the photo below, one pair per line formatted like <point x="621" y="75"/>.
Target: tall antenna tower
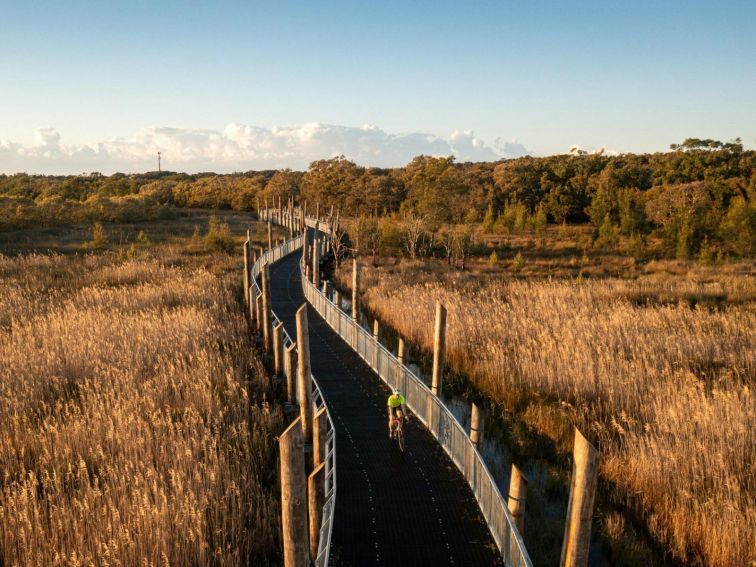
<point x="159" y="154"/>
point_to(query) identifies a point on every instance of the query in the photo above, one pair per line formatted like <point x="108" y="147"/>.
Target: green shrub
<point x="608" y="235"/>
<point x="518" y="262"/>
<point x="99" y="238"/>
<point x="218" y="237"/>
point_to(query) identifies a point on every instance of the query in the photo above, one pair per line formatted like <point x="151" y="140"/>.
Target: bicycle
<point x="398" y="431"/>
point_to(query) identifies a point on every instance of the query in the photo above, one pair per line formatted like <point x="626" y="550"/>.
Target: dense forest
<point x="698" y="199"/>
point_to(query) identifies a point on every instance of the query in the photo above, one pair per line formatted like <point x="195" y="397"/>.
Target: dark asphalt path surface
<point x="392" y="508"/>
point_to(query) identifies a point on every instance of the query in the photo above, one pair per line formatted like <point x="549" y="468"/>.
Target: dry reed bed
<point x="127" y="433"/>
<point x="665" y="390"/>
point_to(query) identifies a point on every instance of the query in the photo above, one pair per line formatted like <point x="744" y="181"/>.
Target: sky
<point x="228" y="86"/>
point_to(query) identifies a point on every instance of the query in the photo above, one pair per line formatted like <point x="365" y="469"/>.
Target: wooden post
<point x="325" y="288"/>
<point x="337" y="298"/>
<point x="305" y="255"/>
<point x="316" y="263"/>
<point x="476" y="426"/>
<point x="307" y="272"/>
<point x="246" y="271"/>
<point x="289" y="369"/>
<point x="259" y="313"/>
<point x="518" y="493"/>
<point x="399" y="363"/>
<point x="355" y="285"/>
<point x="319" y="432"/>
<point x="267" y="318"/>
<point x="252" y="302"/>
<point x="278" y="348"/>
<point x="577" y="534"/>
<point x="315" y="502"/>
<point x="376" y="330"/>
<point x="293" y="496"/>
<point x="439" y="340"/>
<point x="304" y="381"/>
<point x="317" y="210"/>
<point x="270" y="236"/>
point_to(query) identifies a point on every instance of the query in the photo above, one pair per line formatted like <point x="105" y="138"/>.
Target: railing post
<point x="289" y="369"/>
<point x="305" y="249"/>
<point x="266" y="314"/>
<point x="278" y="349"/>
<point x="355" y="285"/>
<point x="439" y="343"/>
<point x="304" y="380"/>
<point x="577" y="534"/>
<point x="293" y="496"/>
<point x="319" y="432"/>
<point x="476" y="426"/>
<point x="376" y="330"/>
<point x="270" y="235"/>
<point x="518" y="493"/>
<point x="316" y="262"/>
<point x="315" y="501"/>
<point x="337" y="298"/>
<point x="246" y="271"/>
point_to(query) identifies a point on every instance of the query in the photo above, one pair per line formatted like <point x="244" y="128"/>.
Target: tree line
<point x="700" y="197"/>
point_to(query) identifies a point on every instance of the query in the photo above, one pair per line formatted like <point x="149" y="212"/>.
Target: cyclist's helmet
<point x="397" y="392"/>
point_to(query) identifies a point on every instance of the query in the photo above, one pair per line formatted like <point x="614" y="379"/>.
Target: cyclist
<point x="396" y="408"/>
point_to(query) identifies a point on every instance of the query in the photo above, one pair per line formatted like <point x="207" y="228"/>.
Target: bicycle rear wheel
<point x="400" y="438"/>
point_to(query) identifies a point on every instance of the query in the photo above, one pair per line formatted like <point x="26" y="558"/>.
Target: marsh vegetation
<point x="658" y="371"/>
<point x="136" y="421"/>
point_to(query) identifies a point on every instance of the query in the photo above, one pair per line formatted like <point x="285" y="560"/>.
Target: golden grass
<point x="127" y="431"/>
<point x="664" y="389"/>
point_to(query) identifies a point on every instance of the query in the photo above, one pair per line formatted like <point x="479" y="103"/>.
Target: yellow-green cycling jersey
<point x="395" y="401"/>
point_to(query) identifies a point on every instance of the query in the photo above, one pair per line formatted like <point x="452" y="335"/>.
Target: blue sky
<point x="109" y="82"/>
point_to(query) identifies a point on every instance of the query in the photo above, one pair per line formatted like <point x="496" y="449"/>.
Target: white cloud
<point x="577" y="150"/>
<point x="47" y="138"/>
<point x="240" y="147"/>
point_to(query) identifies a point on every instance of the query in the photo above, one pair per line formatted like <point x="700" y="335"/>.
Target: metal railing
<point x="436" y="417"/>
<point x="318" y="402"/>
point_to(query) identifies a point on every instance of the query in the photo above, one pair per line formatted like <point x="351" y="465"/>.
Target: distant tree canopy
<point x="704" y="191"/>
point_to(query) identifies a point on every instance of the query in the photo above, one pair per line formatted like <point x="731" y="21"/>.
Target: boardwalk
<point x="392" y="508"/>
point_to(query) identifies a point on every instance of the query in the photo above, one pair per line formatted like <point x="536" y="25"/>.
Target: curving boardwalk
<point x="392" y="508"/>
